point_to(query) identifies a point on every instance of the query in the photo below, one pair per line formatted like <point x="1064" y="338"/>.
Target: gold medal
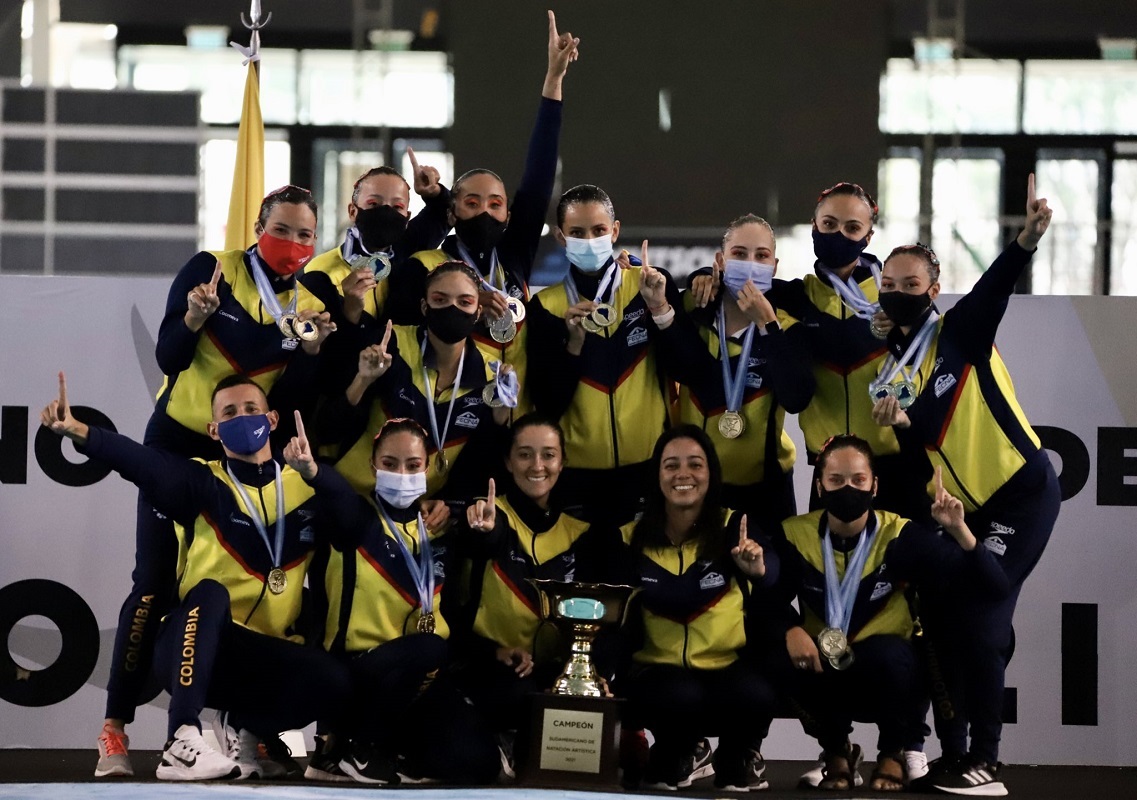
<point x="277" y="580"/>
<point x="604" y="316"/>
<point x="587" y="323"/>
<point x="426" y="622"/>
<point x="306" y="329"/>
<point x="732" y="424"/>
<point x="286" y="323"/>
<point x="489" y="396"/>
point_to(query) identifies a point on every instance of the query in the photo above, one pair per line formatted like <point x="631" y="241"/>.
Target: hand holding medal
<point x="202" y="301"/>
<point x="802" y="650"/>
<point x="482" y="515"/>
<point x="886" y="412"/>
<point x="312" y="328"/>
<point x="355" y="286"/>
<point x="574" y="321"/>
<point x="503" y="390"/>
<point x="298" y="453"/>
<point x="748" y="554"/>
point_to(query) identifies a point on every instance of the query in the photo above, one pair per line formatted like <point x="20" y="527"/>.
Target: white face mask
<point x="400" y="489"/>
<point x="588" y="255"/>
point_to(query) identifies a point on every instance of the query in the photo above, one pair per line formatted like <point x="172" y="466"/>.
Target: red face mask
<point x="284" y="257"/>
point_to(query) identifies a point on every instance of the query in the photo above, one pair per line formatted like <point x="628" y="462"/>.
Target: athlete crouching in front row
<point x="231" y="642"/>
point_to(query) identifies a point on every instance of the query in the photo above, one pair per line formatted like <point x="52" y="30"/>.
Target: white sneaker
<point x="813" y="777"/>
<point x="917" y="763"/>
<point x="189" y="758"/>
<point x="241" y="746"/>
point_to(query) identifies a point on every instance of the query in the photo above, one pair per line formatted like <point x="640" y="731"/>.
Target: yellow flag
<point x="249" y="171"/>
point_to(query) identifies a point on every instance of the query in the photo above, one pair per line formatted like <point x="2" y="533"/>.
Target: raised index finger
<point x="300" y="426"/>
<point x="216" y="275"/>
<point x="414" y="161"/>
<point x="742" y="530"/>
<point x="1030" y="198"/>
<point x="491" y="495"/>
<point x="553" y="35"/>
<point x="939" y="481"/>
<point x="386" y="336"/>
<point x="62" y="391"/>
<point x="643" y="252"/>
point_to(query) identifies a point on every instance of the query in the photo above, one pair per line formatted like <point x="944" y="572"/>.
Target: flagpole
<point x="248" y="171"/>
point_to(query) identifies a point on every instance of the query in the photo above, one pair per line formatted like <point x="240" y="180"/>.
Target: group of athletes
<point x="360" y="458"/>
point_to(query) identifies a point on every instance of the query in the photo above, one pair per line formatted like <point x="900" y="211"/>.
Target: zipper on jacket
<point x="684" y="659"/>
<point x="612" y="416"/>
<point x="958" y="482"/>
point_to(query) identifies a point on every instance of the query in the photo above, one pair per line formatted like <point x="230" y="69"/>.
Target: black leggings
<point x="266" y="684"/>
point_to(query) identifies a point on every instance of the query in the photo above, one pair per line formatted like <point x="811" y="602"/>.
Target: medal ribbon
<point x="440" y="441"/>
<point x="422" y="571"/>
<point x="913" y="356"/>
<point x="507" y="385"/>
<point x="853" y="296"/>
<point x="275" y="552"/>
<point x="352" y="247"/>
<point x="733" y="386"/>
<point x="841" y="596"/>
<point x="612" y="275"/>
<point x="264" y="289"/>
<point x="496" y="282"/>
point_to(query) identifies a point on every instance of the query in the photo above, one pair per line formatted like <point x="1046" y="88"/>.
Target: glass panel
<point x="1064" y="263"/>
<point x="1080" y="97"/>
<point x="1124" y="258"/>
<point x="964" y="96"/>
<point x="218" y="75"/>
<point x="218" y="157"/>
<point x="409" y="89"/>
<point x="965" y="218"/>
<point x="899" y="202"/>
<point x="82" y="55"/>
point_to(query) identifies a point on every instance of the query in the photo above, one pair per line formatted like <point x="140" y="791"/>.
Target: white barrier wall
<point x="1072" y="675"/>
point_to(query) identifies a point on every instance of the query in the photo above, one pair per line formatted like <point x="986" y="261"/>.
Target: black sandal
<point x="835" y="779"/>
<point x="897" y="784"/>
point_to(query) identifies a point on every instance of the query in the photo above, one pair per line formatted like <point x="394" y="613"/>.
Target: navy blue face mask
<point x="244" y="435"/>
<point x="836" y="250"/>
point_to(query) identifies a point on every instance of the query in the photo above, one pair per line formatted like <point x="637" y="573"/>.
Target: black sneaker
<point x="324" y="763"/>
<point x="276" y="761"/>
<point x="742" y="776"/>
<point x="364" y="763"/>
<point x="670" y="777"/>
<point x="971" y="777"/>
<point x="937" y="768"/>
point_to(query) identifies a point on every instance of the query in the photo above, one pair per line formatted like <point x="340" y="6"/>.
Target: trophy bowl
<point x="582" y="609"/>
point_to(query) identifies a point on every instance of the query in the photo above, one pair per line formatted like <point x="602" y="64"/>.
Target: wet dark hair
<point x="230" y="381"/>
<point x="445" y="268"/>
<point x="295" y="195"/>
<point x="465" y="176"/>
<point x="651" y="530"/>
<point x="535" y="420"/>
<point x="371" y="173"/>
<point x="399" y="425"/>
<point x="746" y="219"/>
<point x="853" y="190"/>
<point x="584" y="193"/>
<point x="840" y="442"/>
<point x="922" y="252"/>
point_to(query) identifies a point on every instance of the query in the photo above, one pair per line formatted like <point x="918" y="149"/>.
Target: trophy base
<point x="574" y="741"/>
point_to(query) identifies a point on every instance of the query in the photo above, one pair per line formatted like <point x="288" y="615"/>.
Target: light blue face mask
<point x="400" y="489"/>
<point x="737" y="273"/>
<point x="589" y="255"/>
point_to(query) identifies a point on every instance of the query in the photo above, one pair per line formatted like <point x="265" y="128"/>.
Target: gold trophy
<point x="576" y="725"/>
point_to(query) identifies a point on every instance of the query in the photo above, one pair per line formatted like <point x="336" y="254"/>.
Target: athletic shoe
<point x="365" y="764"/>
<point x="938" y="768"/>
<point x="188" y="758"/>
<point x="971" y="777"/>
<point x="410" y="775"/>
<point x="324" y="764"/>
<point x="742" y="776"/>
<point x="505" y="742"/>
<point x="812" y="778"/>
<point x="114" y="756"/>
<point x="239" y="745"/>
<point x="276" y="761"/>
<point x="670" y="777"/>
<point x="917" y="764"/>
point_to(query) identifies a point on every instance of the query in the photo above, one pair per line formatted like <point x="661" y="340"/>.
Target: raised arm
<point x="193" y="298"/>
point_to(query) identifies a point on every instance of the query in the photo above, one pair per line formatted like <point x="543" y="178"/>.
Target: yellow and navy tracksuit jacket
<point x="528" y="542"/>
<point x="778" y="380"/>
<point x="401" y="392"/>
<point x="693" y="609"/>
<point x="845" y="356"/>
<point x="371" y="594"/>
<point x="611" y="400"/>
<point x="966" y="417"/>
<point x="240" y="338"/>
<point x="902" y="553"/>
<point x="217" y="536"/>
<point x="511" y="352"/>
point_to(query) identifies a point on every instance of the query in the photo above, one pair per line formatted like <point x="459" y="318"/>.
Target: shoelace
<point x="114" y="742"/>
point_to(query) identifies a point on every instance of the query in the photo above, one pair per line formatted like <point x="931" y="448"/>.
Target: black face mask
<point x="836" y="250"/>
<point x="450" y="323"/>
<point x="480" y="234"/>
<point x="847" y="503"/>
<point x="380" y="227"/>
<point x="903" y="308"/>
